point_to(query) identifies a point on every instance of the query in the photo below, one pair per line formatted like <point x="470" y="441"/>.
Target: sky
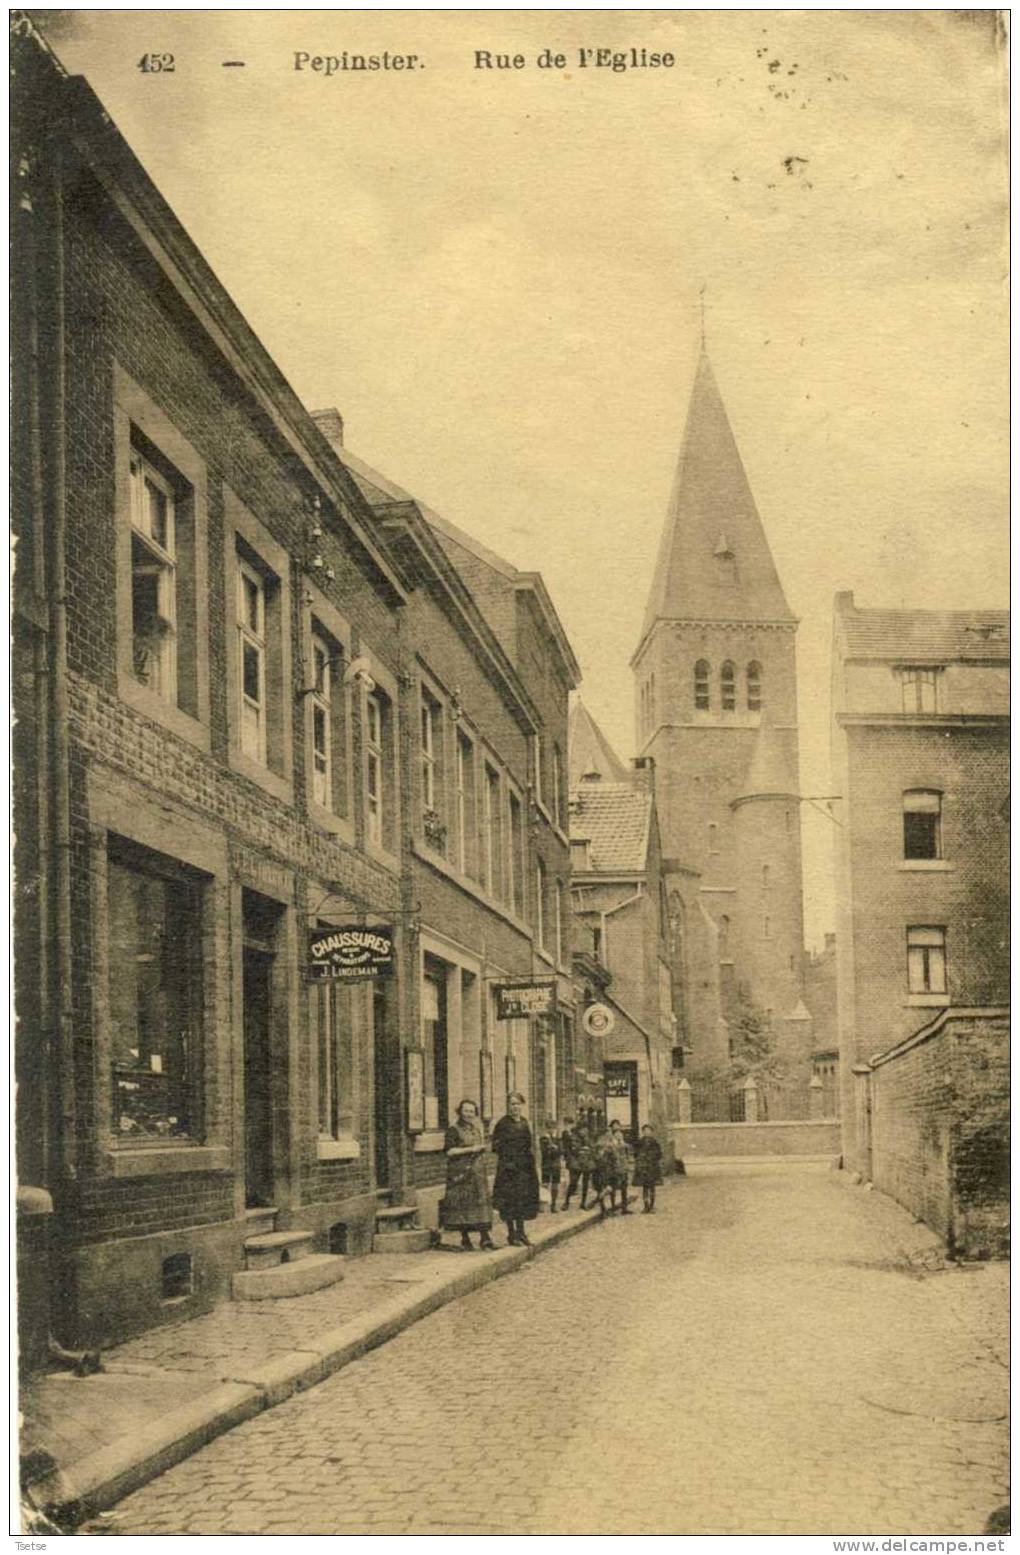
<point x="495" y="276"/>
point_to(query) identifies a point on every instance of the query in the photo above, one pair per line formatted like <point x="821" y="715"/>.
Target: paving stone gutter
<point x="65" y="1494"/>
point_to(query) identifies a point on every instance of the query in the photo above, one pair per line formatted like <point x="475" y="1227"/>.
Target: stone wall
<point x="702" y="1141"/>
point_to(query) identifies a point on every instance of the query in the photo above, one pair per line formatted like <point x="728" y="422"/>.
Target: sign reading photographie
<point x="520" y="1001"/>
<point x="350" y="953"/>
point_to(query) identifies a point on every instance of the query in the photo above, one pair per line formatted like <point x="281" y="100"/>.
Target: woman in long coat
<point x="467" y="1206"/>
<point x="515" y="1191"/>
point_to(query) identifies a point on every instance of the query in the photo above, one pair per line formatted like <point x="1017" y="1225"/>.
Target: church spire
<point x="714" y="561"/>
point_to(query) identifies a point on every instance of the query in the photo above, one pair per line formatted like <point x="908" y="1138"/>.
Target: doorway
<point x="384" y="1088"/>
<point x="622" y="1096"/>
<point x="258" y="1108"/>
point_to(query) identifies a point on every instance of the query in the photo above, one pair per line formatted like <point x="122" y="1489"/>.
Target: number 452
<point x="153" y="64"/>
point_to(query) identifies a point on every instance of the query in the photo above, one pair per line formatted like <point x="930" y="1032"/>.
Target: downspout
<point x="60" y="763"/>
<point x="65" y="1179"/>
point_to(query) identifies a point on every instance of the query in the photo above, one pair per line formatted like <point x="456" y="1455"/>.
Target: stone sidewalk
<point x="165" y="1394"/>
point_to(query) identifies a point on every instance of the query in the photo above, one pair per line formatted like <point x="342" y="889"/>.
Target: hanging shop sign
<point x="598" y="1020"/>
<point x="517" y="1001"/>
<point x="350" y="953"/>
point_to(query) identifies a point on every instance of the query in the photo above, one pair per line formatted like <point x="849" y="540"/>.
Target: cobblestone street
<point x="768" y="1354"/>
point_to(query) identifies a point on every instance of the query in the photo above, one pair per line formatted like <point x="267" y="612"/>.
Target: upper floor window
<point x="713" y="836"/>
<point x="251" y="629"/>
<point x="558" y="922"/>
<point x="754" y="687"/>
<point x="515" y="857"/>
<point x="557" y="787"/>
<point x="922" y="824"/>
<point x="728" y="687"/>
<point x="702" y="686"/>
<point x="536" y="743"/>
<point x="465" y="796"/>
<point x="765" y="875"/>
<point x="322" y="721"/>
<point x="540" y="894"/>
<point x="920" y="690"/>
<point x="375" y="767"/>
<point x="926" y="959"/>
<point x="492" y="833"/>
<point x="153" y="579"/>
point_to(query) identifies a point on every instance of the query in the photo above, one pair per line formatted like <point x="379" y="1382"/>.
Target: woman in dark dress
<point x="648" y="1167"/>
<point x="515" y="1191"/>
<point x="467" y="1206"/>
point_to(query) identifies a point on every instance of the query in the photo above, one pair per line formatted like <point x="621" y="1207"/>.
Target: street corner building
<point x="920" y="753"/>
<point x="290" y="787"/>
<point x="630" y="991"/>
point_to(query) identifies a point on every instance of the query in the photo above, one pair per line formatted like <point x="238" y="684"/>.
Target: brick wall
<point x="940" y="1128"/>
<point x="700" y="1141"/>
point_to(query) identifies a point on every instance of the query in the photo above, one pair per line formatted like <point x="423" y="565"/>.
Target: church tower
<point x="716" y="700"/>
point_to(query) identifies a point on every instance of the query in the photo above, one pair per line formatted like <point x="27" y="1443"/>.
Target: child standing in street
<point x="648" y="1167"/>
<point x="577" y="1158"/>
<point x="622" y="1164"/>
<point x="551" y="1151"/>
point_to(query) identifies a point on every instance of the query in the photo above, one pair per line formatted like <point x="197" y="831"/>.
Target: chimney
<point x="844" y="601"/>
<point x="331" y="424"/>
<point x="644" y="772"/>
<point x="830" y="941"/>
<point x="593" y="776"/>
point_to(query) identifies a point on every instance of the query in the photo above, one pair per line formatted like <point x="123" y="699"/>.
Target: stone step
<point x="270" y="1248"/>
<point x="259" y="1220"/>
<point x="413" y="1241"/>
<point x="288" y="1279"/>
<point x="395" y="1215"/>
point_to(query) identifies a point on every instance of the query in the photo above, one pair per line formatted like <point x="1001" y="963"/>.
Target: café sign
<point x="520" y="1001"/>
<point x="350" y="953"/>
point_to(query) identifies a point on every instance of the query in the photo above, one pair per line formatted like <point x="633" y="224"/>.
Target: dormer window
<point x="920" y="689"/>
<point x="726" y="560"/>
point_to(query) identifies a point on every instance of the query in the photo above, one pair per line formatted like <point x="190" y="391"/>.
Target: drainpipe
<point x="62" y="1004"/>
<point x="65" y="1178"/>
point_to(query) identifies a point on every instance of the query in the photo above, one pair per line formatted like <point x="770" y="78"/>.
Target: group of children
<point x="601" y="1162"/>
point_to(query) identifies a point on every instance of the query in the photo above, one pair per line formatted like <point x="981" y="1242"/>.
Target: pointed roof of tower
<point x="588" y="750"/>
<point x="773" y="768"/>
<point x="714" y="561"/>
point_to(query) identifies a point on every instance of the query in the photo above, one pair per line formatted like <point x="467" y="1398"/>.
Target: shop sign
<point x="520" y="1001"/>
<point x="350" y="953"/>
<point x="618" y="1082"/>
<point x="414" y="1060"/>
<point x="598" y="1020"/>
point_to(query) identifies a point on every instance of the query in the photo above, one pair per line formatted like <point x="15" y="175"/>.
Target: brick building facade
<point x="921" y="759"/>
<point x="224" y="650"/>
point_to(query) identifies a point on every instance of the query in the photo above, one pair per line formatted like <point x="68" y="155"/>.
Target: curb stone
<point x="71" y="1496"/>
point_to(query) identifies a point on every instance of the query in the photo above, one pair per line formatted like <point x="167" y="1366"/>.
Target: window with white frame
<point x="334" y="1059"/>
<point x="430" y="714"/>
<point x="375" y="768"/>
<point x="464" y="785"/>
<point x="435" y="1037"/>
<point x="926" y="959"/>
<point x="558" y="922"/>
<point x="252" y="645"/>
<point x="322" y="721"/>
<point x="922" y="824"/>
<point x="536" y="745"/>
<point x="920" y="689"/>
<point x="153" y="579"/>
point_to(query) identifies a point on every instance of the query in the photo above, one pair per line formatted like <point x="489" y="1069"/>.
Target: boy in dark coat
<point x="579" y="1159"/>
<point x="648" y="1167"/>
<point x="551" y="1156"/>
